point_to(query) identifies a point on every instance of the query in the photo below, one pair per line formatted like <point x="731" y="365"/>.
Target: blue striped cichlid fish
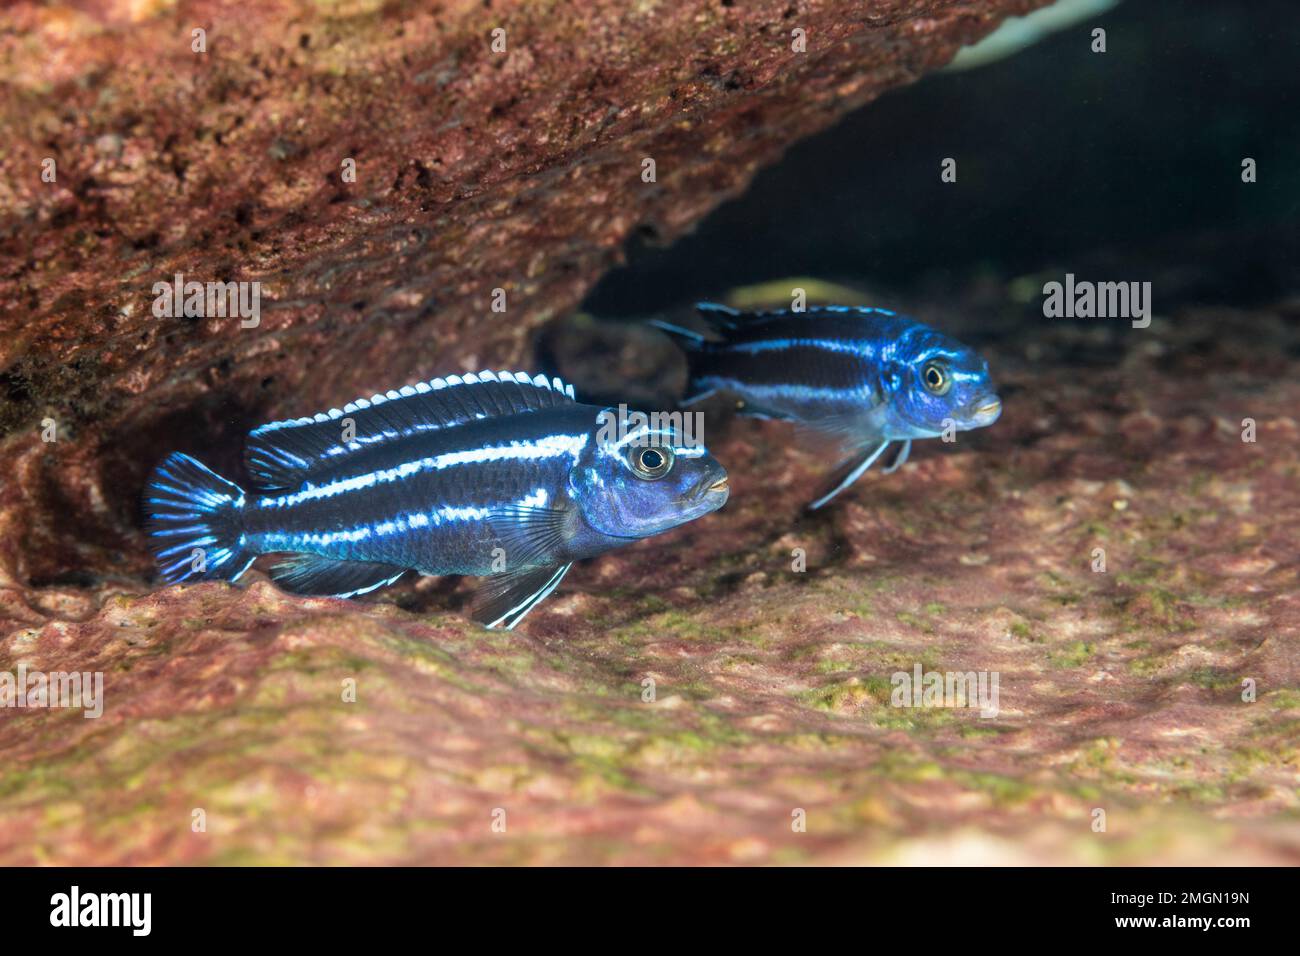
<point x="865" y="377"/>
<point x="498" y="474"/>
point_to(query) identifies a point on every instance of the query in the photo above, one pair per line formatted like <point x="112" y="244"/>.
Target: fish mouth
<point x="987" y="411"/>
<point x="715" y="494"/>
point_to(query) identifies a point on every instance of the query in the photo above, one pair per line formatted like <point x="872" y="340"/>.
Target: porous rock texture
<point x="718" y="694"/>
<point x="475" y="171"/>
<point x="698" y="699"/>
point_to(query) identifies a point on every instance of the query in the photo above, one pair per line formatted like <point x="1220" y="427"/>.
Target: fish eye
<point x="936" y="378"/>
<point x="652" y="463"/>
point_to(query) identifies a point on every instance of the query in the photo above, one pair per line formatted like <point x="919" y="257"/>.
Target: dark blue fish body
<point x="494" y="474"/>
<point x="866" y="377"/>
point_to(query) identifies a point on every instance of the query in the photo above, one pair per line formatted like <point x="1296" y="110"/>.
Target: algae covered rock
<point x="1113" y="564"/>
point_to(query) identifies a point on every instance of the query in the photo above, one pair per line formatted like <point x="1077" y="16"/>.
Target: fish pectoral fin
<point x="844" y="436"/>
<point x="900" y="459"/>
<point x="847" y="473"/>
<point x="530" y="535"/>
<point x="311" y="574"/>
<point x="503" y="599"/>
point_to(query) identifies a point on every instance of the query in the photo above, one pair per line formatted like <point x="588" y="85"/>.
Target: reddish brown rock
<point x="1120" y="691"/>
<point x="475" y="171"/>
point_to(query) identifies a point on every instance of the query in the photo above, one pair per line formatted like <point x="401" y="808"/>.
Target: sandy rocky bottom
<point x="1119" y="691"/>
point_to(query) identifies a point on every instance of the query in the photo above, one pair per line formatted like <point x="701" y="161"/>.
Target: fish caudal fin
<point x="688" y="339"/>
<point x="719" y="320"/>
<point x="696" y="346"/>
<point x="195" y="521"/>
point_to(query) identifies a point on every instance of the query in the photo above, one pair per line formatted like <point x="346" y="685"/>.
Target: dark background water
<point x="1117" y="166"/>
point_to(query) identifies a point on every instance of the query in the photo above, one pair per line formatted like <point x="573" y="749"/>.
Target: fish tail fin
<point x="195" y="520"/>
<point x="718" y="320"/>
<point x="696" y="346"/>
<point x="688" y="339"/>
<point x="720" y="317"/>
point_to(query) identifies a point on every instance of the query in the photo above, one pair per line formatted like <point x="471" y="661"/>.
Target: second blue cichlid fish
<point x="497" y="474"/>
<point x="865" y="377"/>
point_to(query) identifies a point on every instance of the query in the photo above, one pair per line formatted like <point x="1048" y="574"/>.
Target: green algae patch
<point x="1075" y="654"/>
<point x="1212" y="678"/>
<point x="849" y="696"/>
<point x="390" y="731"/>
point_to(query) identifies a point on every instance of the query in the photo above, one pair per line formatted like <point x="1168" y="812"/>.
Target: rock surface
<point x="1119" y="691"/>
<point x="475" y="171"/>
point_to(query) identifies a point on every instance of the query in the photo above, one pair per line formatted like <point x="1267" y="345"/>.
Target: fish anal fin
<point x="504" y="599"/>
<point x="310" y="574"/>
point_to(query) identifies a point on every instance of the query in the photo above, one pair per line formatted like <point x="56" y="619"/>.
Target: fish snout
<point x="713" y="489"/>
<point x="984" y="411"/>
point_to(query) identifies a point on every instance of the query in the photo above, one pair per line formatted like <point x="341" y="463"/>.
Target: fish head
<point x="645" y="480"/>
<point x="939" y="383"/>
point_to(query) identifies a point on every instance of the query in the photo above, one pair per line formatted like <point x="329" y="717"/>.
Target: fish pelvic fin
<point x="504" y="599"/>
<point x="195" y="522"/>
<point x="847" y="473"/>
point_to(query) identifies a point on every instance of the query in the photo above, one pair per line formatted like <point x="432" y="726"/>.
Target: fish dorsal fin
<point x="725" y="317"/>
<point x="284" y="454"/>
<point x="719" y="316"/>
